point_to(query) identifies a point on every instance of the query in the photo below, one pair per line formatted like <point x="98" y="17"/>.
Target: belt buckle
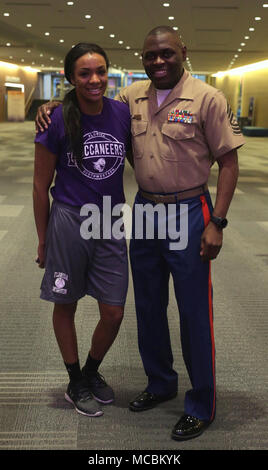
<point x="166" y="198"/>
<point x="158" y="197"/>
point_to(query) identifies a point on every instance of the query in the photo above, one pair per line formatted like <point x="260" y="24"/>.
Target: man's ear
<point x="184" y="52"/>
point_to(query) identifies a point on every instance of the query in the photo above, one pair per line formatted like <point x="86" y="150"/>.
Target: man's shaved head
<point x="158" y="30"/>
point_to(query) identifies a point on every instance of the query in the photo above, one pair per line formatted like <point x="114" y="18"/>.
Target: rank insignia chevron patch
<point x="234" y="124"/>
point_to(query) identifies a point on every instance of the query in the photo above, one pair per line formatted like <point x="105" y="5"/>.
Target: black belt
<point x="174" y="197"/>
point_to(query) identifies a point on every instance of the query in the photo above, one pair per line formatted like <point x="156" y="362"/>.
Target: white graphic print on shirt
<point x="103" y="154"/>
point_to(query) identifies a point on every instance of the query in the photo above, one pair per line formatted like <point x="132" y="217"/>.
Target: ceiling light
<point x="31" y="69"/>
<point x="127" y="47"/>
<point x="6" y="64"/>
<point x="51" y="58"/>
<point x="175" y="28"/>
<point x="251" y="29"/>
<point x="236" y="55"/>
<point x="165" y="4"/>
<point x="29" y="50"/>
<point x="112" y="35"/>
<point x="101" y="27"/>
<point x="41" y="55"/>
<point x="246" y="37"/>
<point x="120" y="42"/>
<point x="22" y="60"/>
<point x="257" y="18"/>
<point x="171" y="18"/>
<point x="246" y="68"/>
<point x="265" y="5"/>
<point x="136" y="53"/>
<point x="47" y="34"/>
<point x="70" y="3"/>
<point x="11" y="56"/>
<point x="28" y="25"/>
<point x="61" y="40"/>
<point x="6" y="14"/>
<point x="88" y="17"/>
<point x="242" y="44"/>
<point x="239" y="50"/>
<point x="8" y="44"/>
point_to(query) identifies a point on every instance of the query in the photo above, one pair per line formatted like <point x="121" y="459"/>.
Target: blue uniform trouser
<point x="152" y="262"/>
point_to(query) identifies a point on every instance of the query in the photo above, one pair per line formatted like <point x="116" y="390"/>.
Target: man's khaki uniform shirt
<point x="172" y="155"/>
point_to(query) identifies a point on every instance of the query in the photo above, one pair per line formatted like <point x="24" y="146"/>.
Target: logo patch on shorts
<point x="60" y="283"/>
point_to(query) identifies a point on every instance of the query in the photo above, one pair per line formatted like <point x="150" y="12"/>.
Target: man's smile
<point x="160" y="72"/>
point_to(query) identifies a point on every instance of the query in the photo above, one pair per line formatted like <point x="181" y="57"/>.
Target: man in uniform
<point x="180" y="127"/>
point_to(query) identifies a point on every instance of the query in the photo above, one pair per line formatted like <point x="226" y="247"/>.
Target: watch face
<point x="221" y="223"/>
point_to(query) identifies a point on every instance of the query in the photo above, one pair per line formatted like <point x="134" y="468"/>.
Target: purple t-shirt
<point x="106" y="138"/>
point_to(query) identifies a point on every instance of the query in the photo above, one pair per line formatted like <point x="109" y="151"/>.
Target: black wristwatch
<point x="219" y="221"/>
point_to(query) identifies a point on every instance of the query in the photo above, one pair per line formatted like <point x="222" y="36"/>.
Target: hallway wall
<point x="15" y="74"/>
<point x="253" y="84"/>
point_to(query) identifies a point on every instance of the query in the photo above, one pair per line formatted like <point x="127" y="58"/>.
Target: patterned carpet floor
<point x="33" y="412"/>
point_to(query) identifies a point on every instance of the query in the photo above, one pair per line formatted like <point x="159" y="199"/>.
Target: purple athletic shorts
<point x="75" y="266"/>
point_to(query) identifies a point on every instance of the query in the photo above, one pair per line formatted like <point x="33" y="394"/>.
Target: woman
<point x="85" y="146"/>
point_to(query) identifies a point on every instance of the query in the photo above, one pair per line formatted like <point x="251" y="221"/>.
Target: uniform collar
<point x="182" y="90"/>
<point x="143" y="91"/>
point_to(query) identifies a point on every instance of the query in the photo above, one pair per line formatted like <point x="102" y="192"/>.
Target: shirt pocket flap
<point x="138" y="127"/>
<point x="178" y="130"/>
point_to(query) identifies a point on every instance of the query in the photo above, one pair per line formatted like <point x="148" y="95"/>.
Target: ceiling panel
<point x="213" y="30"/>
<point x="217" y="18"/>
<point x="212" y="37"/>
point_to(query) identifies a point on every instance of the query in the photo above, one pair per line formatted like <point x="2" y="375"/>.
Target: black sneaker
<point x="100" y="390"/>
<point x="79" y="395"/>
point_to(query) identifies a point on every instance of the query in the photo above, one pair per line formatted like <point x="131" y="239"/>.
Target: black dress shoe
<point x="146" y="401"/>
<point x="188" y="427"/>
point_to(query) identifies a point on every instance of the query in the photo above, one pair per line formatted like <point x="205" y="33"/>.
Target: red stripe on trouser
<point x="206" y="216"/>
